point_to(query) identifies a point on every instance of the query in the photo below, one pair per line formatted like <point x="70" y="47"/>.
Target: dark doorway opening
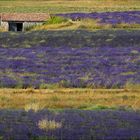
<point x="19" y="26"/>
<point x="15" y="26"/>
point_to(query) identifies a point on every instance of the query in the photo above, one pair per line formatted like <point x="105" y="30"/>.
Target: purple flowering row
<point x="77" y="59"/>
<point x="75" y="125"/>
<point x="130" y="17"/>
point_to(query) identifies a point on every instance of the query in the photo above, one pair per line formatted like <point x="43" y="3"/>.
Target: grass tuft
<point x="33" y="106"/>
<point x="132" y="86"/>
<point x="49" y="124"/>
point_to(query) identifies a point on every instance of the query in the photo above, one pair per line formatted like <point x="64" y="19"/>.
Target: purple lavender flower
<point x="75" y="124"/>
<point x="78" y="59"/>
<point x="129" y="17"/>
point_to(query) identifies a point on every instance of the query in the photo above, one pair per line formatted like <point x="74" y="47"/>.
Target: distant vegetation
<point x="62" y="6"/>
<point x="84" y="24"/>
<point x="92" y="21"/>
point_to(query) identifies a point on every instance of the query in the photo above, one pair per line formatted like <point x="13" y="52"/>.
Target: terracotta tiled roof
<point x="24" y="16"/>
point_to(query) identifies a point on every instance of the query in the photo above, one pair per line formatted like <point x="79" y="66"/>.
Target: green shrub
<point x="56" y="20"/>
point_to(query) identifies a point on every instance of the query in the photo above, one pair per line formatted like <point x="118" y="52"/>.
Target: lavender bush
<point x="130" y="17"/>
<point x="70" y="59"/>
<point x="75" y="125"/>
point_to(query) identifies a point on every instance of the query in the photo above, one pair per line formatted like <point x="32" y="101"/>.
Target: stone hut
<point x="20" y="21"/>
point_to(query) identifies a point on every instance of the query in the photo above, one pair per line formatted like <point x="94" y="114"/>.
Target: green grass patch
<point x="55" y="20"/>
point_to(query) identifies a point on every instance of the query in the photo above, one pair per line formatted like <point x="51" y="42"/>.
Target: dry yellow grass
<point x="58" y="6"/>
<point x="72" y="3"/>
<point x="49" y="124"/>
<point x="60" y="98"/>
<point x="88" y="24"/>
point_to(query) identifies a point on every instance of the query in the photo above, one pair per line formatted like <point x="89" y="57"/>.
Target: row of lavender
<point x="77" y="59"/>
<point x="130" y="17"/>
<point x="73" y="125"/>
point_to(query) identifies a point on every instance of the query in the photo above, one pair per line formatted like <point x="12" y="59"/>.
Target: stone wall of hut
<point x="4" y="26"/>
<point x="27" y="25"/>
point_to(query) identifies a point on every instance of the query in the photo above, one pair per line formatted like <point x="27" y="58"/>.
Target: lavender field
<point x="109" y="59"/>
<point x="81" y="83"/>
<point x="69" y="125"/>
<point x="130" y="17"/>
